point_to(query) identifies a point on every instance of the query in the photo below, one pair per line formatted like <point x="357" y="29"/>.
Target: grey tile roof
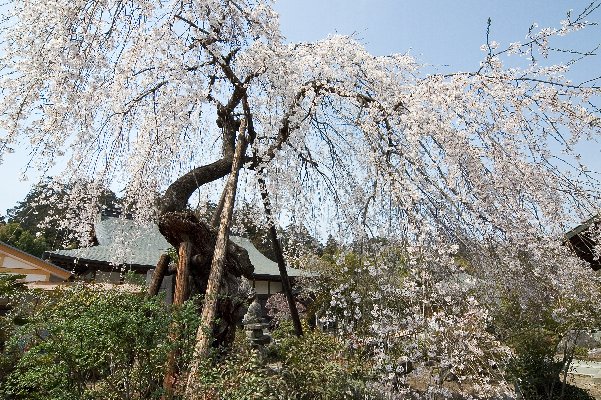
<point x="262" y="264"/>
<point x="122" y="242"/>
<point x="126" y="242"/>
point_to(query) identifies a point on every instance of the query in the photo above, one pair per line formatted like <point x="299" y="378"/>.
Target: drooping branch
<point x="284" y="131"/>
<point x="287" y="127"/>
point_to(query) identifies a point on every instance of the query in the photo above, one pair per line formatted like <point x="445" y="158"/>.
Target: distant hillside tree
<point x="45" y="208"/>
<point x="14" y="235"/>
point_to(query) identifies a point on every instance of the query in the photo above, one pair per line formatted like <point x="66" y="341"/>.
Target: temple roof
<point x="583" y="242"/>
<point x="131" y="243"/>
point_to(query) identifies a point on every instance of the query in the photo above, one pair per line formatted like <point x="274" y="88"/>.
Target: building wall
<point x="267" y="287"/>
<point x="108" y="277"/>
<point x="15" y="261"/>
<point x="12" y="265"/>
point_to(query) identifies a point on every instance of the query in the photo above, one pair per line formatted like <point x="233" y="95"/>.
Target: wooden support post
<point x="183" y="274"/>
<point x="159" y="274"/>
<point x="217" y="215"/>
<point x="277" y="249"/>
<point x="204" y="333"/>
<point x="179" y="297"/>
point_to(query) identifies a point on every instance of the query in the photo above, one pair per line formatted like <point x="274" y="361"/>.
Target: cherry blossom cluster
<point x="420" y="315"/>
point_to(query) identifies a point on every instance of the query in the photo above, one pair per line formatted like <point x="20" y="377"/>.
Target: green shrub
<point x="12" y="292"/>
<point x="86" y="344"/>
<point x="239" y="375"/>
<point x="315" y="366"/>
<point x="285" y="330"/>
<point x="320" y="366"/>
<point x="537" y="371"/>
<point x="537" y="367"/>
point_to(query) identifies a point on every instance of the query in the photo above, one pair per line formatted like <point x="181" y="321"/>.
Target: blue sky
<point x="443" y="34"/>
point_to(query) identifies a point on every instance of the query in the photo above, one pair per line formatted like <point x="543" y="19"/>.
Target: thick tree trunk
<point x="184" y="226"/>
<point x="177" y="194"/>
<point x="179" y="227"/>
<point x="277" y="248"/>
<point x="159" y="274"/>
<point x="204" y="333"/>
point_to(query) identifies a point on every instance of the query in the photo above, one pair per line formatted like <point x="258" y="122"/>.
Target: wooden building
<point x="37" y="272"/>
<point x="125" y="245"/>
<point x="583" y="242"/>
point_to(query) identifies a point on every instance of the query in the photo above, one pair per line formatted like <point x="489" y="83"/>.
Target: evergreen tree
<point x="15" y="235"/>
<point x="40" y="212"/>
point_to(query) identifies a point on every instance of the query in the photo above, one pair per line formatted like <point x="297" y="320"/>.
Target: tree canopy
<point x="15" y="235"/>
<point x="149" y="95"/>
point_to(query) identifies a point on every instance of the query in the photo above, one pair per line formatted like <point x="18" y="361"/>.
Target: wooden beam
<point x="159" y="274"/>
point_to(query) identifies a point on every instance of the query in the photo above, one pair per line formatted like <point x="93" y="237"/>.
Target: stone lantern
<point x="254" y="325"/>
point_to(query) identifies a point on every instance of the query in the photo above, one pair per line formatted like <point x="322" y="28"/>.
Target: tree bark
<point x="180" y="295"/>
<point x="159" y="274"/>
<point x="177" y="194"/>
<point x="179" y="227"/>
<point x="217" y="214"/>
<point x="204" y="333"/>
<point x="277" y="249"/>
<point x="183" y="274"/>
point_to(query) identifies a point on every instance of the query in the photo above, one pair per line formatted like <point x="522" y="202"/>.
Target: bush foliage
<point x="82" y="343"/>
<point x="86" y="344"/>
